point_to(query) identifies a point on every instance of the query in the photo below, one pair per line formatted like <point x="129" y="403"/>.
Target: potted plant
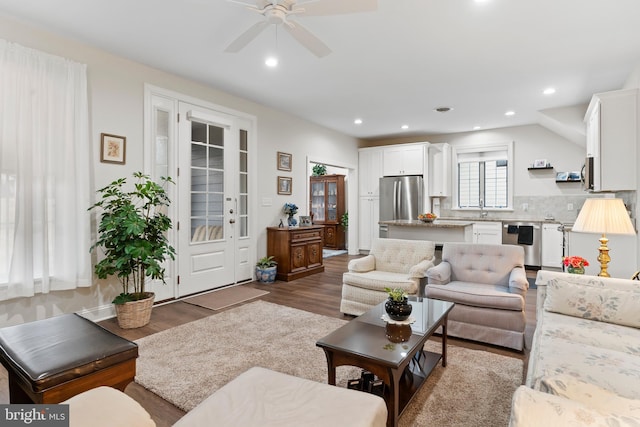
<point x="397" y="305"/>
<point x="266" y="269"/>
<point x="318" y="170"/>
<point x="132" y="235"/>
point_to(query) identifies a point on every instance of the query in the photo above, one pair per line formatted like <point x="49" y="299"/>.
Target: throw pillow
<point x="591" y="395"/>
<point x="602" y="304"/>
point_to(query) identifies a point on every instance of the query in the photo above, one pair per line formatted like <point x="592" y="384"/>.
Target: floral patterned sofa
<point x="584" y="366"/>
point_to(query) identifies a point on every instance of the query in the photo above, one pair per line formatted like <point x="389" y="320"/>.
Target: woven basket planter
<point x="135" y="314"/>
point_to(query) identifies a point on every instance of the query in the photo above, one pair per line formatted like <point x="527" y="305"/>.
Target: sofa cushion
<point x="482" y="263"/>
<point x="591" y="395"/>
<point x="398" y="256"/>
<point x="476" y="294"/>
<point x="378" y="280"/>
<point x="106" y="407"/>
<point x="602" y="304"/>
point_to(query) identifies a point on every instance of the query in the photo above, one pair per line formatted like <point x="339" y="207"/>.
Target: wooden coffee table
<point x="395" y="356"/>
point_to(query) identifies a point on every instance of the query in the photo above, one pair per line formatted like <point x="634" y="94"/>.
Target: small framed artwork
<point x="540" y="163"/>
<point x="574" y="176"/>
<point x="305" y="221"/>
<point x="113" y="148"/>
<point x="562" y="176"/>
<point x="284" y="185"/>
<point x="284" y="162"/>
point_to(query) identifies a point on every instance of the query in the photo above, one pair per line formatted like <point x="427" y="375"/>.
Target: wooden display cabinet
<point x="298" y="250"/>
<point x="327" y="205"/>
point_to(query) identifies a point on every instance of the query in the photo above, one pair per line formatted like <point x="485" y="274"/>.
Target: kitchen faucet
<point x="483" y="214"/>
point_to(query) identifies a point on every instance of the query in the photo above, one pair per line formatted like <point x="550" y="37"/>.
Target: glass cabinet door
<point x="317" y="201"/>
<point x="332" y="201"/>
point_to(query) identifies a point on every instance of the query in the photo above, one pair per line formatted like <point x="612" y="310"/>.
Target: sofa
<point x="488" y="284"/>
<point x="584" y="366"/>
<point x="391" y="263"/>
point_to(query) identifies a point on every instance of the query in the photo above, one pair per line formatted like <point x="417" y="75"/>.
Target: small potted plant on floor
<point x="132" y="235"/>
<point x="397" y="306"/>
<point x="266" y="269"/>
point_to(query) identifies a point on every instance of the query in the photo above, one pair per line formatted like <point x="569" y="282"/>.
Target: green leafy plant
<point x="344" y="220"/>
<point x="132" y="234"/>
<point x="319" y="170"/>
<point x="396" y="294"/>
<point x="266" y="262"/>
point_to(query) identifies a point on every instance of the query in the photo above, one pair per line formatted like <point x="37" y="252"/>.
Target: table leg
<point x="444" y="341"/>
<point x="331" y="367"/>
<point x="394" y="398"/>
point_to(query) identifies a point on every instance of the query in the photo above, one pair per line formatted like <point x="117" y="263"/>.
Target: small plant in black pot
<point x="397" y="305"/>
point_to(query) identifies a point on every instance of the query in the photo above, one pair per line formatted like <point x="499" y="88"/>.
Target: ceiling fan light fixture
<point x="443" y="109"/>
<point x="271" y="62"/>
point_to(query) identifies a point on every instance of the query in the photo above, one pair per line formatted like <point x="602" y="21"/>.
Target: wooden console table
<point x="298" y="250"/>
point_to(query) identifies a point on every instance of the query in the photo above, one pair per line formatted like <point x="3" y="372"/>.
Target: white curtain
<point x="44" y="173"/>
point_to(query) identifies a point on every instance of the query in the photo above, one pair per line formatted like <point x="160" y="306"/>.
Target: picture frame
<point x="113" y="148"/>
<point x="284" y="161"/>
<point x="305" y="221"/>
<point x="562" y="176"/>
<point x="284" y="185"/>
<point x="540" y="163"/>
<point x="574" y="176"/>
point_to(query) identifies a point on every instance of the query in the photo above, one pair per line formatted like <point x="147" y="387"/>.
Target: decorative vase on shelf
<point x="398" y="310"/>
<point x="291" y="221"/>
<point x="575" y="270"/>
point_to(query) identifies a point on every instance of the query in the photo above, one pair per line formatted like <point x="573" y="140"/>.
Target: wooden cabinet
<point x="552" y="245"/>
<point x="369" y="171"/>
<point x="404" y="159"/>
<point x="439" y="170"/>
<point x="298" y="250"/>
<point x="612" y="138"/>
<point x="487" y="232"/>
<point x="327" y="205"/>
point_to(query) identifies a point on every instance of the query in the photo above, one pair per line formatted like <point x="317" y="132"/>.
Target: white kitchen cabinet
<point x="439" y="170"/>
<point x="488" y="232"/>
<point x="369" y="171"/>
<point x="368" y="228"/>
<point x="552" y="245"/>
<point x="404" y="159"/>
<point x="612" y="136"/>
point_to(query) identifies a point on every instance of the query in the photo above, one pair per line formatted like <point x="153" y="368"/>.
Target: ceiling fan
<point x="280" y="13"/>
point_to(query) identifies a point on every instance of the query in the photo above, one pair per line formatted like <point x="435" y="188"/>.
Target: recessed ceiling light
<point x="404" y="127"/>
<point x="477" y="127"/>
<point x="510" y="113"/>
<point x="443" y="109"/>
<point x="271" y="61"/>
<point x="549" y="91"/>
<point x="358" y="121"/>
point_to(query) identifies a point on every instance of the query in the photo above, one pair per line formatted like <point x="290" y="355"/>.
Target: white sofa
<point x="584" y="366"/>
<point x="392" y="263"/>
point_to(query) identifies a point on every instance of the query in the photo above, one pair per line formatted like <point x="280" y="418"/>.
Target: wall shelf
<point x="542" y="168"/>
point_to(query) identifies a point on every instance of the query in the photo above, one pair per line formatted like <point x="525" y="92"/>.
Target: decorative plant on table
<point x="575" y="264"/>
<point x="266" y="269"/>
<point x="290" y="209"/>
<point x="132" y="234"/>
<point x="397" y="305"/>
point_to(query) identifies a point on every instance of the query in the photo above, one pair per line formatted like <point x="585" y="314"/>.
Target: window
<point x="484" y="179"/>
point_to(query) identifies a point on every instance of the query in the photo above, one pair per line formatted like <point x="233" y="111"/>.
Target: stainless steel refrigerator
<point x="401" y="198"/>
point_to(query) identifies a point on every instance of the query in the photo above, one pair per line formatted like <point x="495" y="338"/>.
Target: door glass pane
<point x="332" y="201"/>
<point x="243" y="189"/>
<point x="207" y="182"/>
<point x="317" y="201"/>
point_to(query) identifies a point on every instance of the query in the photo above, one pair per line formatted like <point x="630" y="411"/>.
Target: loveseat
<point x="391" y="263"/>
<point x="488" y="284"/>
<point x="584" y="366"/>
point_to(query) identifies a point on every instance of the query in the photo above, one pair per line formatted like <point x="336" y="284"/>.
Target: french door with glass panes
<point x="213" y="206"/>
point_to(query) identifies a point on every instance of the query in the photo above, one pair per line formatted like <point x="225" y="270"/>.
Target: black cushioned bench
<point x="51" y="360"/>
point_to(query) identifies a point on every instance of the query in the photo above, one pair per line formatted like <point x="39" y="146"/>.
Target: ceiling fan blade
<point x="246" y="37"/>
<point x="308" y="40"/>
<point x="336" y="7"/>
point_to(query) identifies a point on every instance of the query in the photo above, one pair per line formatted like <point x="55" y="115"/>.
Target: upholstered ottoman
<point x="260" y="397"/>
<point x="106" y="407"/>
<point x="51" y="360"/>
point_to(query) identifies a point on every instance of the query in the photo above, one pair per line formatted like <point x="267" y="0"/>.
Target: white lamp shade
<point x="604" y="216"/>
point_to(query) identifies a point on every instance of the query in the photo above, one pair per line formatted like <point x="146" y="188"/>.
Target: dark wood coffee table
<point x="391" y="352"/>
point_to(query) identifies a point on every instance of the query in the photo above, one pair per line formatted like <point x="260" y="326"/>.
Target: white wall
<point x="116" y="88"/>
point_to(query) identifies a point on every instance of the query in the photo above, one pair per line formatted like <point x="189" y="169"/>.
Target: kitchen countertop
<point x="438" y="223"/>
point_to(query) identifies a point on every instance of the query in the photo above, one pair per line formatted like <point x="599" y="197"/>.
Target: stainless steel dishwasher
<point x="527" y="234"/>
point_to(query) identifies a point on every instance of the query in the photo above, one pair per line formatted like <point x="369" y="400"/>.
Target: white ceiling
<point x="389" y="67"/>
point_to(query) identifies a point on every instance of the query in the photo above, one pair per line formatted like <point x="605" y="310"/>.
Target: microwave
<point x="587" y="174"/>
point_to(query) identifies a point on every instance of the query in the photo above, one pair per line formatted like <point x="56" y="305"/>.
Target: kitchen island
<point x="438" y="231"/>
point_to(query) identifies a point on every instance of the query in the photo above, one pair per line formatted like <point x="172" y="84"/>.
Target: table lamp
<point x="606" y="216"/>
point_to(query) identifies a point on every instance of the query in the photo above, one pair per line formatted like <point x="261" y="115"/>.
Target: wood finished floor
<point x="319" y="294"/>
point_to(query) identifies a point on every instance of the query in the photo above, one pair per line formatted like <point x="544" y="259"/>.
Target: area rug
<point x="223" y="298"/>
<point x="187" y="363"/>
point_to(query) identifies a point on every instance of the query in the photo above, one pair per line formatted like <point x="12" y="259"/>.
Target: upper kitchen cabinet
<point x="439" y="170"/>
<point x="404" y="159"/>
<point x="612" y="137"/>
<point x="369" y="171"/>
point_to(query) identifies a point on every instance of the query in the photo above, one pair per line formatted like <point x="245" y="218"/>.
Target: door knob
<point x="230" y="211"/>
<point x="232" y="221"/>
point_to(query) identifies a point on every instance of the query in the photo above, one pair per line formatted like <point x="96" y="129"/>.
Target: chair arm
<point x="518" y="282"/>
<point x="362" y="265"/>
<point x="440" y="274"/>
<point x="419" y="270"/>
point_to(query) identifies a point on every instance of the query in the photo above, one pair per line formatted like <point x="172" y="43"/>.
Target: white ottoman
<point x="260" y="397"/>
<point x="106" y="407"/>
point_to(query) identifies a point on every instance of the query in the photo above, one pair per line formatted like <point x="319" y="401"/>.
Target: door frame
<point x="149" y="92"/>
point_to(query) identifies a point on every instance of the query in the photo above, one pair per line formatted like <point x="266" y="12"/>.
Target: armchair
<point x="488" y="284"/>
<point x="392" y="263"/>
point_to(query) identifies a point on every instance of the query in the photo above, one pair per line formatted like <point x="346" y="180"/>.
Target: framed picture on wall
<point x="284" y="161"/>
<point x="112" y="148"/>
<point x="284" y="185"/>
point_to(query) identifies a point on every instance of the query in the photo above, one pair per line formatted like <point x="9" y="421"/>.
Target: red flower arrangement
<point x="575" y="261"/>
